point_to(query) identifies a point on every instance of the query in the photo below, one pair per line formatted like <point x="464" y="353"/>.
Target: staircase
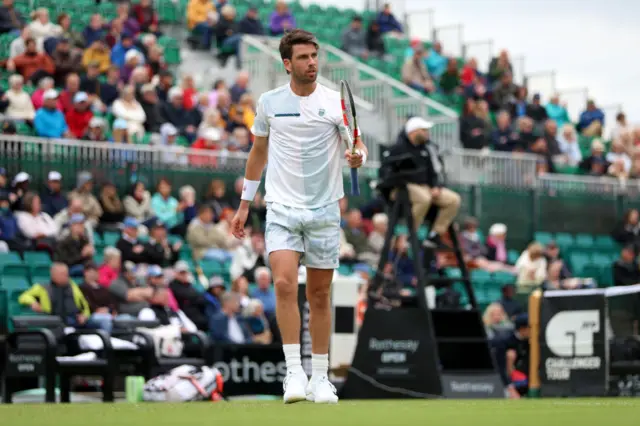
<point x="383" y="103"/>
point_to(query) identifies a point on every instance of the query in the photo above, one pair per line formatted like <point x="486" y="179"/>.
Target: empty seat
<point x="578" y="262"/>
<point x="605" y="242"/>
<point x="584" y="241"/>
<point x="11" y="257"/>
<point x="110" y="238"/>
<point x="502" y="278"/>
<point x="15" y="270"/>
<point x="543" y="237"/>
<point x="14" y="283"/>
<point x="512" y="256"/>
<point x="565" y="241"/>
<point x="37" y="257"/>
<point x="480" y="277"/>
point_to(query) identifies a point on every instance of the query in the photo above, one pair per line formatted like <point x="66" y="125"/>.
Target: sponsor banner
<point x="573" y="345"/>
<point x="25" y="364"/>
<point x="251" y="369"/>
<point x="472" y="386"/>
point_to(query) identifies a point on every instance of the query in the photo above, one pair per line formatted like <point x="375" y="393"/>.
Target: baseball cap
<point x="181" y="266"/>
<point x="53" y="175"/>
<point x="154" y="271"/>
<point x="80" y="97"/>
<point x="212" y="134"/>
<point x="216" y="281"/>
<point x="76" y="218"/>
<point x="131" y="54"/>
<point x="417" y="123"/>
<point x="157" y="223"/>
<point x="521" y="320"/>
<point x="50" y="94"/>
<point x="21" y="177"/>
<point x="131" y="222"/>
<point x="129" y="266"/>
<point x="97" y="122"/>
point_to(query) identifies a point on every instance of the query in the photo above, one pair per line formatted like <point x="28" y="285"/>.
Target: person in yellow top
<point x="99" y="53"/>
<point x="61" y="297"/>
<point x="201" y="17"/>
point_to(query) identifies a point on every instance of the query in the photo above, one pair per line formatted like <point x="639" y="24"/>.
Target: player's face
<point x="303" y="65"/>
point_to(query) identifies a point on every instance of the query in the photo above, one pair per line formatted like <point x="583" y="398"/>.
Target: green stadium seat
<point x="578" y="262"/>
<point x="453" y="273"/>
<point x="344" y="270"/>
<point x="543" y="237"/>
<point x="40" y="274"/>
<point x="502" y="278"/>
<point x="15" y="270"/>
<point x="211" y="267"/>
<point x="98" y="258"/>
<point x="11" y="257"/>
<point x="592" y="270"/>
<point x="605" y="242"/>
<point x="512" y="256"/>
<point x="584" y="242"/>
<point x="480" y="278"/>
<point x="110" y="238"/>
<point x="14" y="283"/>
<point x="564" y="240"/>
<point x="600" y="259"/>
<point x="37" y="257"/>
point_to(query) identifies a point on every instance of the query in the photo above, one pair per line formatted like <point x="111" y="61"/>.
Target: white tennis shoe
<point x="321" y="391"/>
<point x="295" y="387"/>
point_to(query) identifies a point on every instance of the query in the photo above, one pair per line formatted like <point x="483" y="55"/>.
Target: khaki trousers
<point x="421" y="200"/>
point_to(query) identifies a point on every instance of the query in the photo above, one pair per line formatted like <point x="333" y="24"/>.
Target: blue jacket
<point x="219" y="328"/>
<point x="388" y="23"/>
<point x="588" y="117"/>
<point x="50" y="123"/>
<point x="436" y="63"/>
<point x="90" y="35"/>
<point x="53" y="203"/>
<point x="268" y="299"/>
<point x="8" y="226"/>
<point x="558" y="113"/>
<point x="118" y="53"/>
<point x="404" y="269"/>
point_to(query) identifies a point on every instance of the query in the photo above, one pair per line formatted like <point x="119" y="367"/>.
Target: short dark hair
<point x="294" y="37"/>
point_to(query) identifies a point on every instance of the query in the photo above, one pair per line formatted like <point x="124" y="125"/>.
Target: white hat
<point x="53" y="175"/>
<point x="212" y="134"/>
<point x="80" y="97"/>
<point x="50" y="94"/>
<point x="21" y="177"/>
<point x="168" y="129"/>
<point x="97" y="122"/>
<point x="175" y="91"/>
<point x="498" y="229"/>
<point x="181" y="266"/>
<point x="132" y="53"/>
<point x="417" y="123"/>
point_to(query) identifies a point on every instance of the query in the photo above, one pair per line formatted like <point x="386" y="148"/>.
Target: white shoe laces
<point x="329" y="384"/>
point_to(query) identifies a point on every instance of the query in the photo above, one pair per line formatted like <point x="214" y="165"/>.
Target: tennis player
<point x="298" y="127"/>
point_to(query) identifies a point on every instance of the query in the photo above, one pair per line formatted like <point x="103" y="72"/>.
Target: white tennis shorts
<point x="313" y="232"/>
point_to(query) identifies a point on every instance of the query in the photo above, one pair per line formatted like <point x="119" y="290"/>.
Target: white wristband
<point x="364" y="155"/>
<point x="249" y="189"/>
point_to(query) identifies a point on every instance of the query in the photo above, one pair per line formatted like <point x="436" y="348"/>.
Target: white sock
<point x="292" y="357"/>
<point x="319" y="365"/>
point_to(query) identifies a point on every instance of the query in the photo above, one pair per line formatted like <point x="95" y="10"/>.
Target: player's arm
<point x="255" y="166"/>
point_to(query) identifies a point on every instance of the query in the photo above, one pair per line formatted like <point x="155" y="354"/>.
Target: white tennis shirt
<point x="304" y="167"/>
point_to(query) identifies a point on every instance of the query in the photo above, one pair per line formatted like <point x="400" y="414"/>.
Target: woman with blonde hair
<point x="20" y="106"/>
<point x="495" y="320"/>
<point x="531" y="267"/>
<point x="127" y="108"/>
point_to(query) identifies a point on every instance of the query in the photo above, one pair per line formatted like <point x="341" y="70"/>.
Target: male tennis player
<point x="298" y="127"/>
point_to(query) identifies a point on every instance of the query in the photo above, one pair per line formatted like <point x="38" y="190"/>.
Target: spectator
<point x="518" y="105"/>
<point x="436" y="61"/>
<point x="53" y="199"/>
<point x="380" y="222"/>
<point x="557" y="112"/>
<point x="227" y="326"/>
<point x="500" y="66"/>
<point x="496" y="243"/>
<point x="42" y="28"/>
<point x="596" y="164"/>
<point x="415" y="75"/>
<point x="172" y="155"/>
<point x="622" y="127"/>
<point x="80" y="116"/>
<point x="512" y="307"/>
<point x="37" y="97"/>
<point x="550" y="133"/>
<point x="190" y="301"/>
<point x="281" y="19"/>
<point x="32" y="65"/>
<point x="626" y="270"/>
<point x="213" y="296"/>
<point x="101" y="302"/>
<point x="119" y="51"/>
<point x="110" y="269"/>
<point x="19" y="45"/>
<point x="240" y="87"/>
<point x="201" y="18"/>
<point x="129" y="109"/>
<point x="536" y="111"/>
<point x="469" y="73"/>
<point x="97" y="130"/>
<point x="155" y="61"/>
<point x="151" y="108"/>
<point x="354" y="40"/>
<point x="248" y="258"/>
<point x="568" y="145"/>
<point x="75" y="38"/>
<point x="132" y="59"/>
<point x="531" y="267"/>
<point x="627" y="232"/>
<point x="20" y="187"/>
<point x="512" y="356"/>
<point x="72" y="86"/>
<point x="228" y="37"/>
<point x="264" y="291"/>
<point x="188" y="198"/>
<point x="109" y="90"/>
<point x="115" y="32"/>
<point x="129" y="23"/>
<point x="251" y="24"/>
<point x="375" y="41"/>
<point x="496" y="322"/>
<point x="112" y="208"/>
<point x="131" y="248"/>
<point x="165" y="207"/>
<point x="90" y="205"/>
<point x="206" y="239"/>
<point x="138" y="203"/>
<point x="75" y="250"/>
<point x="175" y="113"/>
<point x="356" y="237"/>
<point x="10" y="18"/>
<point x="63" y="218"/>
<point x="473" y="130"/>
<point x="95" y="31"/>
<point x="525" y="136"/>
<point x="49" y="122"/>
<point x="131" y="298"/>
<point x="591" y="120"/>
<point x="504" y="92"/>
<point x="90" y="83"/>
<point x="9" y="230"/>
<point x="97" y="53"/>
<point x="61" y="297"/>
<point x="545" y="160"/>
<point x="19" y="102"/>
<point x="146" y="16"/>
<point x="619" y="160"/>
<point x="158" y="249"/>
<point x="388" y="22"/>
<point x="503" y="138"/>
<point x="209" y="141"/>
<point x="450" y="78"/>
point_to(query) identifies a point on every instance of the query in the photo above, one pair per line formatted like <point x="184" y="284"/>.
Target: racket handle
<point x="355" y="187"/>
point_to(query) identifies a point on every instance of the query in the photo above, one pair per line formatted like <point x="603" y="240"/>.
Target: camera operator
<point x="416" y="158"/>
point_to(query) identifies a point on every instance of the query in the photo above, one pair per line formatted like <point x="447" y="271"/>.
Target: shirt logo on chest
<point x="321" y="112"/>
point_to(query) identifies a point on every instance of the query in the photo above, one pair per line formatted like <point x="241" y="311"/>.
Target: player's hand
<point x="239" y="220"/>
<point x="354" y="159"/>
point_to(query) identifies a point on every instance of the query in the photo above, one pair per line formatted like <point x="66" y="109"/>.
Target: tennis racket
<point x="352" y="134"/>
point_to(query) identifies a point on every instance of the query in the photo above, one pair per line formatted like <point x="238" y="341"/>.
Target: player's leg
<point x="284" y="245"/>
<point x="322" y="246"/>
